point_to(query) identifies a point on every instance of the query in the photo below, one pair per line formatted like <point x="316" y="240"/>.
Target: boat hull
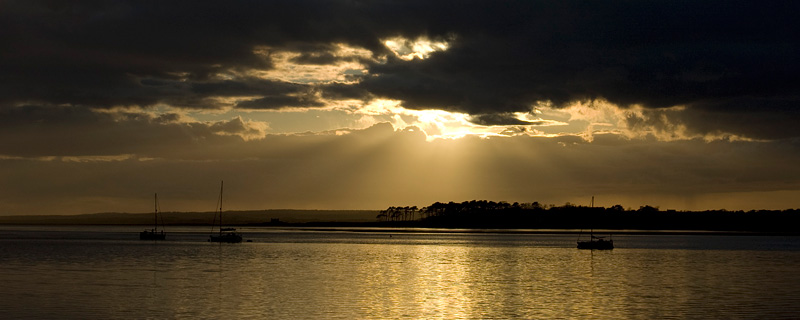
<point x="152" y="235"/>
<point x="596" y="245"/>
<point x="228" y="238"/>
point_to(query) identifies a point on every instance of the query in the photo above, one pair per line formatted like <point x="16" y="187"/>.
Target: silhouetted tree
<point x="647" y="209"/>
<point x="616" y="208"/>
<point x="383" y="215"/>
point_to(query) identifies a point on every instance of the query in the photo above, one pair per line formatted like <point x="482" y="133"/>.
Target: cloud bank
<point x="718" y="59"/>
<point x="678" y="102"/>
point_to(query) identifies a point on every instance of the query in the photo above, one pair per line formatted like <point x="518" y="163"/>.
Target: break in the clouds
<point x="626" y="88"/>
<point x="720" y="59"/>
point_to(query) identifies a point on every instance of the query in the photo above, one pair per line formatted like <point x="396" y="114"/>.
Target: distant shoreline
<point x="196" y="218"/>
<point x="504" y="219"/>
<point x="387" y="229"/>
<point x="532" y="231"/>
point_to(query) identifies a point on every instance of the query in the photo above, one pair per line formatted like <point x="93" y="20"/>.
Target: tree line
<point x="534" y="215"/>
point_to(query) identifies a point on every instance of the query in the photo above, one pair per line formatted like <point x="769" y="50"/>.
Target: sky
<point x="686" y="105"/>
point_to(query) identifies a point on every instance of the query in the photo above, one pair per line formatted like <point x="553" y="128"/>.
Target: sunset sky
<point x="686" y="105"/>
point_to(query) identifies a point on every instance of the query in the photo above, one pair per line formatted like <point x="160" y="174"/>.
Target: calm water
<point x="106" y="272"/>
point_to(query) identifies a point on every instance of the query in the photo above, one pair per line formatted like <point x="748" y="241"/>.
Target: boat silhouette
<point x="154" y="234"/>
<point x="228" y="235"/>
<point x="594" y="242"/>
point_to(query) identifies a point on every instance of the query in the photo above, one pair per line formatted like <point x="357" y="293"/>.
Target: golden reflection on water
<point x="458" y="282"/>
<point x="405" y="277"/>
<point x="412" y="281"/>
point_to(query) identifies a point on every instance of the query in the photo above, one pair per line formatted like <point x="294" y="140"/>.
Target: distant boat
<point x="154" y="234"/>
<point x="228" y="235"/>
<point x="595" y="243"/>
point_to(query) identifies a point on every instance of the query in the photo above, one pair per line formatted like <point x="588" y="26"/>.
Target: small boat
<point x="154" y="234"/>
<point x="228" y="235"/>
<point x="595" y="243"/>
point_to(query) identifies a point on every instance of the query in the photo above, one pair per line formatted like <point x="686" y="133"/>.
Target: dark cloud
<point x="339" y="91"/>
<point x="316" y="58"/>
<point x="499" y="119"/>
<point x="705" y="55"/>
<point x="37" y="131"/>
<point x="731" y="59"/>
<point x="97" y="54"/>
<point x="278" y="102"/>
<point x="759" y="118"/>
<point x="244" y="86"/>
<point x="196" y="94"/>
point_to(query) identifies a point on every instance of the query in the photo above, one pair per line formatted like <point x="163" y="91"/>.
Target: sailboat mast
<point x="591" y="230"/>
<point x="221" y="184"/>
<point x="155" y="210"/>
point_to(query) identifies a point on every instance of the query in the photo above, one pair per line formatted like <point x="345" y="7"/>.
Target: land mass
<point x="248" y="217"/>
<point x="476" y="214"/>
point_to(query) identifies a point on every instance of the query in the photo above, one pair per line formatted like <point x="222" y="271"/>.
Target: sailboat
<point x="153" y="234"/>
<point x="228" y="235"/>
<point x="594" y="242"/>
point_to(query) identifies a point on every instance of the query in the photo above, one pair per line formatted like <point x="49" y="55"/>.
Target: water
<point x="107" y="273"/>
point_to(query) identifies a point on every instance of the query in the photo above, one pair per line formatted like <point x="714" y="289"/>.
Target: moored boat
<point x="595" y="243"/>
<point x="228" y="235"/>
<point x="154" y="234"/>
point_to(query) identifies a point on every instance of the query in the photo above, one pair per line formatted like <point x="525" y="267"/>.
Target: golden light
<point x="436" y="124"/>
<point x="285" y="69"/>
<point x="98" y="158"/>
<point x="420" y="48"/>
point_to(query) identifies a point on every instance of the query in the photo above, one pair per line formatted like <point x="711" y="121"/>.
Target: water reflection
<point x="431" y="276"/>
